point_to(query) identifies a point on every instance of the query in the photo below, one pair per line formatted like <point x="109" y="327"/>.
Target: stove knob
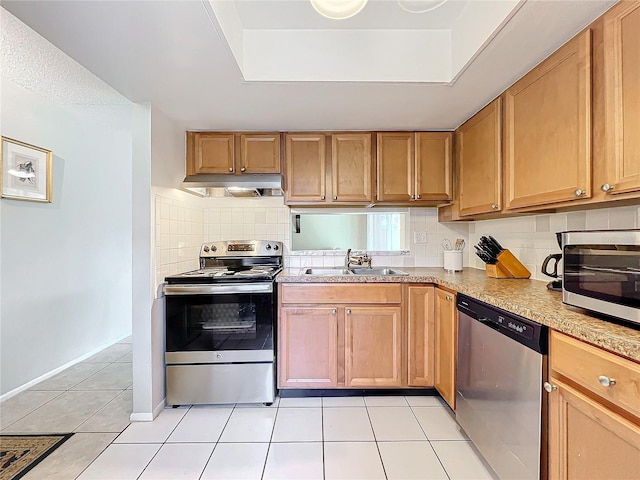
<point x="276" y="247"/>
<point x="213" y="248"/>
<point x="268" y="247"/>
<point x="206" y="249"/>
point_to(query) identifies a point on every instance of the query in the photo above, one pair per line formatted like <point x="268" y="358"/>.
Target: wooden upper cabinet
<point x="232" y="153"/>
<point x="622" y="98"/>
<point x="479" y="155"/>
<point x="433" y="168"/>
<point x="351" y="167"/>
<point x="446" y="339"/>
<point x="548" y="129"/>
<point x="420" y="335"/>
<point x="260" y="153"/>
<point x="305" y="162"/>
<point x="395" y="152"/>
<point x="210" y="153"/>
<point x="373" y="346"/>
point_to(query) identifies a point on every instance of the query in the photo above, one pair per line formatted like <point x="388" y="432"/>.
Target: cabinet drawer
<point x="585" y="364"/>
<point x="341" y="293"/>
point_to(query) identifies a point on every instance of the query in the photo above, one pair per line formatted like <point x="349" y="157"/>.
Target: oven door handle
<point x="218" y="289"/>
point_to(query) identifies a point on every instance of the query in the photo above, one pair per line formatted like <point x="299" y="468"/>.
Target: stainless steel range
<point x="220" y="325"/>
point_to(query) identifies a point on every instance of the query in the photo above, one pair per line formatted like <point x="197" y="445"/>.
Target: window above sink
<point x="380" y="230"/>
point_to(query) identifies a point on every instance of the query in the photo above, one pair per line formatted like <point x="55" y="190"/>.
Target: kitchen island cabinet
<point x="594" y="412"/>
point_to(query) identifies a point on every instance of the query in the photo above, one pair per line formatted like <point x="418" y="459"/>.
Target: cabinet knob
<point x="322" y="197"/>
<point x="334" y="312"/>
<point x="242" y="169"/>
<point x="495" y="206"/>
<point x="348" y="311"/>
<point x="418" y="197"/>
<point x="335" y="197"/>
<point x="231" y="169"/>
<point x="579" y="192"/>
<point x="549" y="388"/>
<point x="413" y="197"/>
<point x="448" y="298"/>
<point x="606" y="381"/>
<point x="606" y="187"/>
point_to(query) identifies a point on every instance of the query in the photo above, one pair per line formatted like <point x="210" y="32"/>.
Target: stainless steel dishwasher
<point x="499" y="403"/>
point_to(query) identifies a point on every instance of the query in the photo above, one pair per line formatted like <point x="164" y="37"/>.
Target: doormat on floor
<point x="20" y="453"/>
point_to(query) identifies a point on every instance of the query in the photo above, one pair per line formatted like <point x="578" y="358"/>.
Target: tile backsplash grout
<point x="182" y="226"/>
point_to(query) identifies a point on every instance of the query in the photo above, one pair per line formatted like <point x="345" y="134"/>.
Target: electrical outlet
<point x="420" y="237"/>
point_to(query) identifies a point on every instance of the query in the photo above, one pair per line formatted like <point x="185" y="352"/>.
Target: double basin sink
<point x="385" y="272"/>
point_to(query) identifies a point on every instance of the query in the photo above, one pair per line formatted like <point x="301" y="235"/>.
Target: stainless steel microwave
<point x="601" y="272"/>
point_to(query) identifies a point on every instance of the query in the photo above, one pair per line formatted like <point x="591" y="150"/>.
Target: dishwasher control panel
<point x="523" y="330"/>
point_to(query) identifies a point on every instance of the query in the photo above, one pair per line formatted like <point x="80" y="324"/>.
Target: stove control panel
<point x="241" y="248"/>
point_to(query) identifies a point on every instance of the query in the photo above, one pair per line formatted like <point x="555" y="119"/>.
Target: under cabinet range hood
<point x="267" y="185"/>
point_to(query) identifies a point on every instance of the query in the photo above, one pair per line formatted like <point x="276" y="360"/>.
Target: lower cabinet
<point x="420" y="335"/>
<point x="446" y="339"/>
<point x="594" y="427"/>
<point x="308" y="347"/>
<point x="373" y="347"/>
<point x="355" y="336"/>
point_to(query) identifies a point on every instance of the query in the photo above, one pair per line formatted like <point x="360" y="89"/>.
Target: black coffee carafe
<point x="555" y="285"/>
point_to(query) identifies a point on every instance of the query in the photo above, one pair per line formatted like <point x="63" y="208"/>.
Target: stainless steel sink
<point x="325" y="271"/>
<point x="352" y="271"/>
<point x="377" y="271"/>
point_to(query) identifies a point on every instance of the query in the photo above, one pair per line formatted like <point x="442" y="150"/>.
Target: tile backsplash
<point x="182" y="224"/>
<point x="532" y="238"/>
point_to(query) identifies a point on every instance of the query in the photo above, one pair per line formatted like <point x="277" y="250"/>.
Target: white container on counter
<point x="453" y="260"/>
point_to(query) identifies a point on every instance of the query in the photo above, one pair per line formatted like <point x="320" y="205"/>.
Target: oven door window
<point x="606" y="272"/>
<point x="219" y="322"/>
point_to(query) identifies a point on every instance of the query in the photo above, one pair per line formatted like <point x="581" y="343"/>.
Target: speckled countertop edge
<point x="528" y="298"/>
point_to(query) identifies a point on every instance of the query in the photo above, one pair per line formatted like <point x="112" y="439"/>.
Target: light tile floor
<point x="396" y="438"/>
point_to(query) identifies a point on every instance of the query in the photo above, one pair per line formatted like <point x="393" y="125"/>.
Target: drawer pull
<point x="606" y="381"/>
<point x="549" y="388"/>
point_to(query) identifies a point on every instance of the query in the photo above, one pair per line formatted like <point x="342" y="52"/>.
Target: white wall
<point x="532" y="238"/>
<point x="65" y="267"/>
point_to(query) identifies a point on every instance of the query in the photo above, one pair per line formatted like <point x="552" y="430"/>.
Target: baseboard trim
<point x="55" y="371"/>
<point x="148" y="417"/>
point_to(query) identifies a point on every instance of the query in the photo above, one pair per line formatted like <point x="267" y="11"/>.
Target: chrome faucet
<point x="357" y="260"/>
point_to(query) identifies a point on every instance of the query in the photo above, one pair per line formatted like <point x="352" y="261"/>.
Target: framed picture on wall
<point x="26" y="171"/>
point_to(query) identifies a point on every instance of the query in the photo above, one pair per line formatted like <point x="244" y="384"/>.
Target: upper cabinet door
<point x="209" y="152"/>
<point x="433" y="166"/>
<point x="396" y="166"/>
<point x="622" y="97"/>
<point x="479" y="151"/>
<point x="305" y="156"/>
<point x="351" y="167"/>
<point x="548" y="129"/>
<point x="260" y="153"/>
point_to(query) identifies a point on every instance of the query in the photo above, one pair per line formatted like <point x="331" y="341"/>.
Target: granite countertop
<point x="528" y="298"/>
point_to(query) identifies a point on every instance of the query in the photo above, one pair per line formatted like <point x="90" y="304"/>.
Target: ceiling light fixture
<point x="338" y="9"/>
<point x="420" y="6"/>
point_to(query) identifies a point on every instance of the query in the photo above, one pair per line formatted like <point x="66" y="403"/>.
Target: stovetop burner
<point x="234" y="261"/>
